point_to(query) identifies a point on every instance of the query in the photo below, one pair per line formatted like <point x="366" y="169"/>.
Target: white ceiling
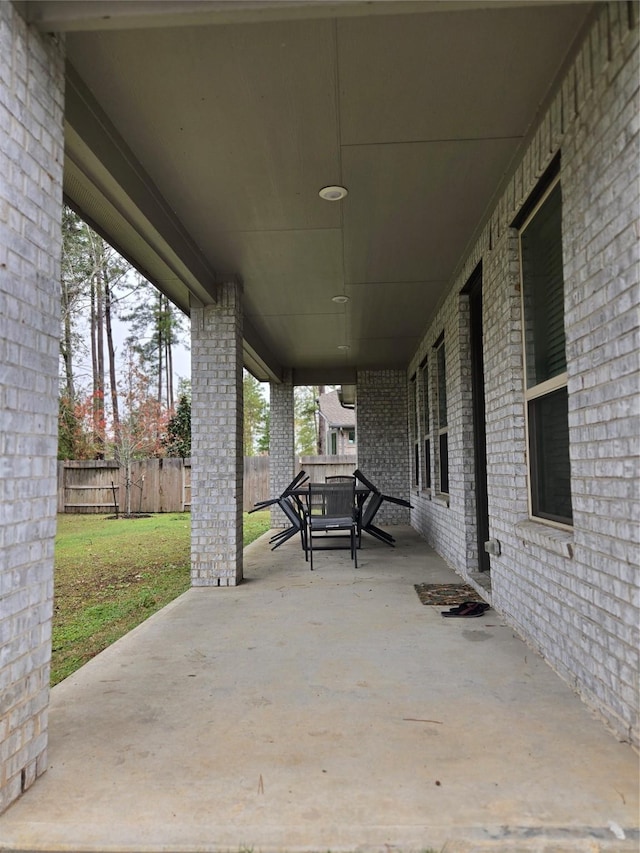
<point x="199" y="150"/>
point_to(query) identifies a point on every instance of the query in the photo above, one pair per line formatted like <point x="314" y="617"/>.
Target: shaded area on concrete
<point x="325" y="711"/>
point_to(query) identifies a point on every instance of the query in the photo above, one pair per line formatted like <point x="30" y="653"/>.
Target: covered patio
<point x="473" y="290"/>
<point x="325" y="711"/>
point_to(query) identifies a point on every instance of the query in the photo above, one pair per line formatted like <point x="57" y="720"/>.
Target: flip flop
<point x="469" y="610"/>
<point x="461" y="606"/>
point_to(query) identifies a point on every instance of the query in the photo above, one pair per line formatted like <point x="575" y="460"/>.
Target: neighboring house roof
<point x="335" y="414"/>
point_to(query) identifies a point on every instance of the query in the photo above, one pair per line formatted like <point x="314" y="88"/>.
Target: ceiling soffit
<point x="237" y="126"/>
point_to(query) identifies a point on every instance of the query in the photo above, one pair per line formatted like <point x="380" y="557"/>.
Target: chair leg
<point x="280" y="534"/>
<point x="382" y="535"/>
<point x="282" y="539"/>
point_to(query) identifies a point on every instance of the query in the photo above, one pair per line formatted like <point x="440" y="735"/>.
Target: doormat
<point x="446" y="593"/>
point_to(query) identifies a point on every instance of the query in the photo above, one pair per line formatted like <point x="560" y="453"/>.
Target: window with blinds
<point x="413" y="404"/>
<point x="443" y="431"/>
<point x="545" y="359"/>
<point x="426" y="425"/>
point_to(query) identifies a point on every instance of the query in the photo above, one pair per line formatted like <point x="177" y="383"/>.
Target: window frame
<point x="542" y="389"/>
<point x="414" y="431"/>
<point x="426" y="425"/>
<point x="443" y="430"/>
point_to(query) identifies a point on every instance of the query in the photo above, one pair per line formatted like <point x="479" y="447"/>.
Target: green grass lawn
<point x="111" y="574"/>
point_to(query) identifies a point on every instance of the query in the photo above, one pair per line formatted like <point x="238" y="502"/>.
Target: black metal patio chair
<point x="371" y="508"/>
<point x="292" y="507"/>
<point x="331" y="512"/>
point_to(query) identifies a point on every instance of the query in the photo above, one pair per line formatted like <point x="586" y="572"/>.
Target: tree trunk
<point x="128" y="486"/>
<point x="98" y="392"/>
<point x="97" y="340"/>
<point x="100" y="331"/>
<point x="66" y="344"/>
<point x="94" y="358"/>
<point x="112" y="361"/>
<point x="160" y="346"/>
<point x="169" y="369"/>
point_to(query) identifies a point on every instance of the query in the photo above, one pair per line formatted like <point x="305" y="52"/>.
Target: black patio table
<point x="362" y="492"/>
<point x="368" y="511"/>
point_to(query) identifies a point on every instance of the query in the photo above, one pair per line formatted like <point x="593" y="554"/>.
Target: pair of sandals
<point x="468" y="609"/>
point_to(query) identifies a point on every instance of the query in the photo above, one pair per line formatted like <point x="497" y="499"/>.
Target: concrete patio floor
<point x="325" y="711"/>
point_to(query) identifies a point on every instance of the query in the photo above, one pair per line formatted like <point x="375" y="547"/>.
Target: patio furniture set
<point x="330" y="515"/>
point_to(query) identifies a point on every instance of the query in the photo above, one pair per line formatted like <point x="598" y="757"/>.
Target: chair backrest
<point x="340" y="478"/>
<point x="371" y="508"/>
<point x="297" y="481"/>
<point x="332" y="500"/>
<point x="292" y="512"/>
<point x="360" y="476"/>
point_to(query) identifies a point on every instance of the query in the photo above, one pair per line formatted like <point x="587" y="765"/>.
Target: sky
<point x="82" y="362"/>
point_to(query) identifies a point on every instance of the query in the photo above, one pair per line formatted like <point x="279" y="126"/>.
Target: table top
<point x="304" y="490"/>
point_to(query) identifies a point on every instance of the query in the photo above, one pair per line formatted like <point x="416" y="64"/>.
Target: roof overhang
<point x="198" y="134"/>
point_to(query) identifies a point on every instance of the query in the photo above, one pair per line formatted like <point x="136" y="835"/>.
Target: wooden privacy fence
<point x="164" y="485"/>
<point x="256" y="481"/>
<point x="99" y="486"/>
<point x="319" y="467"/>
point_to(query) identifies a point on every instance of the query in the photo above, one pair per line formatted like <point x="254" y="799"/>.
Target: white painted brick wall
<point x="216" y="440"/>
<point x="573" y="595"/>
<point x="281" y="443"/>
<point x="383" y="444"/>
<point x="31" y="156"/>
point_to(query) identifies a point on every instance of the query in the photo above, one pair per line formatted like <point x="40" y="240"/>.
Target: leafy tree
<point x="144" y="420"/>
<point x="91" y="272"/>
<point x="75" y="274"/>
<point x="76" y="435"/>
<point x="108" y="270"/>
<point x="156" y="325"/>
<point x="306" y="420"/>
<point x="255" y="414"/>
<point x="178" y="439"/>
<point x="67" y="428"/>
<point x="263" y="441"/>
<point x="96" y="284"/>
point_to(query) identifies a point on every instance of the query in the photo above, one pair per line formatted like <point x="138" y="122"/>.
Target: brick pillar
<point x="281" y="442"/>
<point x="31" y="156"/>
<point x="383" y="437"/>
<point x="216" y="440"/>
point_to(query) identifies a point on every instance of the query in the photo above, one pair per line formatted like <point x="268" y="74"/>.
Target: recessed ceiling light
<point x="332" y="193"/>
<point x="340" y="299"/>
<point x="344" y="346"/>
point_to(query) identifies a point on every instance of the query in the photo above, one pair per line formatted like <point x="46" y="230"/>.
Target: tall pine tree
<point x="256" y="411"/>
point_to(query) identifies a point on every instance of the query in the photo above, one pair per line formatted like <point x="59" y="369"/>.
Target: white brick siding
<point x="383" y="444"/>
<point x="31" y="157"/>
<point x="281" y="443"/>
<point x="216" y="445"/>
<point x="573" y="595"/>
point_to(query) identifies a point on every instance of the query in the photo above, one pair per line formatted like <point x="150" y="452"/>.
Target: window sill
<point x="558" y="541"/>
<point x="441" y="499"/>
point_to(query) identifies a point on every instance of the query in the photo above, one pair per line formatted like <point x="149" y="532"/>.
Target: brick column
<point x="31" y="156"/>
<point x="216" y="440"/>
<point x="383" y="437"/>
<point x="281" y="442"/>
